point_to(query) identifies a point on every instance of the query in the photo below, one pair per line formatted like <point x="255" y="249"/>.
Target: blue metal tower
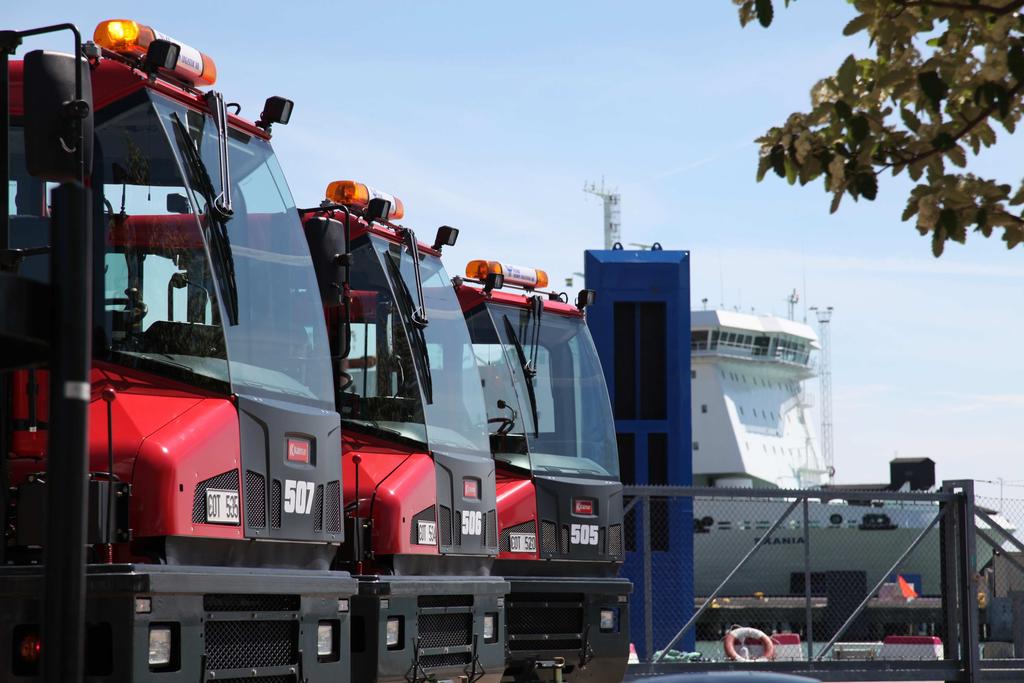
<point x="641" y="326"/>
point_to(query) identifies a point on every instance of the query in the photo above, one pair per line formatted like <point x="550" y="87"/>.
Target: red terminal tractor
<point x="420" y="508"/>
<point x="171" y="465"/>
<point x="552" y="437"/>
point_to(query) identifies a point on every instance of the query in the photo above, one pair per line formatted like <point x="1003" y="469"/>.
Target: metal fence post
<point x="809" y="626"/>
<point x="648" y="617"/>
<point x="949" y="568"/>
<point x="968" y="556"/>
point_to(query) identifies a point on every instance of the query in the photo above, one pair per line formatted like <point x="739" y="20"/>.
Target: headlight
<point x="609" y="619"/>
<point x="490" y="627"/>
<point x="394" y="632"/>
<point x="325" y="639"/>
<point x="160" y="642"/>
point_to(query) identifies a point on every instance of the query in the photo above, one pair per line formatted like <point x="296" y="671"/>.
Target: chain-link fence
<point x="818" y="579"/>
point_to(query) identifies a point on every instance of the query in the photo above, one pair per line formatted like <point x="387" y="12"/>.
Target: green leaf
<point x="957" y="156"/>
<point x="843" y="109"/>
<point x="938" y="242"/>
<point x="790" y="171"/>
<point x="859" y="128"/>
<point x="1015" y="62"/>
<point x="763" y="164"/>
<point x="911" y="209"/>
<point x="858" y="23"/>
<point x="847" y="76"/>
<point x="933" y="87"/>
<point x="836" y="198"/>
<point x="778" y="160"/>
<point x="765" y="12"/>
<point x="943" y="141"/>
<point x="981" y="218"/>
<point x="867" y="185"/>
<point x="910" y="119"/>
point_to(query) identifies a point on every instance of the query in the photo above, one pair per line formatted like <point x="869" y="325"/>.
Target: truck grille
<point x="532" y="616"/>
<point x="255" y="499"/>
<point x="226" y="480"/>
<point x="524" y="528"/>
<point x="332" y="516"/>
<point x="251" y="644"/>
<point x="445" y="630"/>
<point x="450" y="659"/>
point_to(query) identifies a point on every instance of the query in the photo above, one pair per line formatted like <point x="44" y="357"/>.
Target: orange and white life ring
<point x="740" y="636"/>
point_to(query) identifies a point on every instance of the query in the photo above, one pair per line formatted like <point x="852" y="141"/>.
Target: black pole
<point x="70" y="363"/>
<point x="67" y="464"/>
<point x="10" y="42"/>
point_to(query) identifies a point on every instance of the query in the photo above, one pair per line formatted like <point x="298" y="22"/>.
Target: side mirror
<point x="446" y="237"/>
<point x="585" y="297"/>
<point x="493" y="281"/>
<point x="161" y="54"/>
<point x="275" y="110"/>
<point x="178" y="203"/>
<point x="377" y="210"/>
<point x="50" y="112"/>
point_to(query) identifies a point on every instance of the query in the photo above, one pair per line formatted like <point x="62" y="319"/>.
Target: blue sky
<point x="490" y="118"/>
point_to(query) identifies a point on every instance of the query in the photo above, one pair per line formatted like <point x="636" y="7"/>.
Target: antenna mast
<point x="612" y="223"/>
<point x="824" y="316"/>
<point x="793" y="299"/>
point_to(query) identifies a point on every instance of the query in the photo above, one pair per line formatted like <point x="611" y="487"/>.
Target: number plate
<point x="426" y="533"/>
<point x="522" y="543"/>
<point x="222" y="507"/>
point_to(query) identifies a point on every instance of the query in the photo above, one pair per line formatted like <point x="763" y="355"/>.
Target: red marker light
<point x="470" y="488"/>
<point x="582" y="506"/>
<point x="30" y="647"/>
<point x="298" y="450"/>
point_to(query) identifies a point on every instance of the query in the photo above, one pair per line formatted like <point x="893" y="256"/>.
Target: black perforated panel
<point x="255" y="499"/>
<point x="275" y="503"/>
<point x="332" y="507"/>
<point x="251" y="644"/>
<point x="318" y="509"/>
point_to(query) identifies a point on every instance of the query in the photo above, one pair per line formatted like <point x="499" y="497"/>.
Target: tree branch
<point x="969" y="125"/>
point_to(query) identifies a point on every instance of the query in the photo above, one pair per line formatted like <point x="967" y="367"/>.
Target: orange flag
<point x="908" y="588"/>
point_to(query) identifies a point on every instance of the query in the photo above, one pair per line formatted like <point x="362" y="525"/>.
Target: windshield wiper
<point x="217" y="218"/>
<point x="528" y="370"/>
<point x="382" y="432"/>
<point x="419" y="315"/>
<point x="215" y="101"/>
<point x="418" y="340"/>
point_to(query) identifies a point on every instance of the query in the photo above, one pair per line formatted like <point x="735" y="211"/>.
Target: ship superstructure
<point x="751" y="421"/>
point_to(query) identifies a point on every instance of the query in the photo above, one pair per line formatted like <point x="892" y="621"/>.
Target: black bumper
<point x="226" y="623"/>
<point x="440" y="623"/>
<point x="549" y="618"/>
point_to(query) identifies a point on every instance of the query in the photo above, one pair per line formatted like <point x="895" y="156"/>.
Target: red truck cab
<point x="559" y="495"/>
<point x="419" y="477"/>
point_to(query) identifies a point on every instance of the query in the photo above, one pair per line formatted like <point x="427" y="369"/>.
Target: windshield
<point x="163" y="293"/>
<point x="384" y="387"/>
<point x="574" y="431"/>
